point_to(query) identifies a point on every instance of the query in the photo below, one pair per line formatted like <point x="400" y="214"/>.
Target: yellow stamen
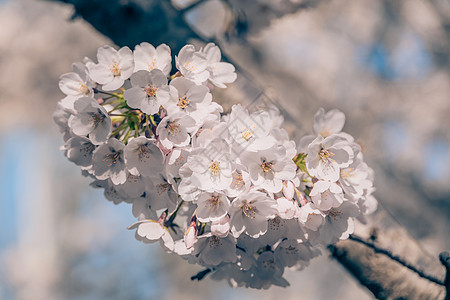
<point x="183" y="102"/>
<point x="150" y="90"/>
<point x="114" y="68"/>
<point x="214" y="167"/>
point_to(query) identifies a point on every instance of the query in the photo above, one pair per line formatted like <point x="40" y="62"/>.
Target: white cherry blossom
<point x="76" y="84"/>
<point x="327" y="155"/>
<point x="326" y="194"/>
<point x="326" y="124"/>
<point x="151" y="231"/>
<point x="148" y="92"/>
<point x="339" y="223"/>
<point x="213" y="250"/>
<point x="90" y="119"/>
<point x="147" y="58"/>
<point x="212" y="207"/>
<point x="188" y="97"/>
<point x="174" y="130"/>
<point x="109" y="162"/>
<point x="142" y="154"/>
<point x="113" y="67"/>
<point x="192" y="64"/>
<point x="250" y="212"/>
<point x="268" y="168"/>
<point x="211" y="167"/>
<point x="219" y="72"/>
<point x="80" y="150"/>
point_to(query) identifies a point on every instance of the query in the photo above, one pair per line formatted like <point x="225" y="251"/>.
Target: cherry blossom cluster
<point x="230" y="192"/>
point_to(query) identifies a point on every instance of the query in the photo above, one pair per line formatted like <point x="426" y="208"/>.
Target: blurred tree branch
<point x="389" y="262"/>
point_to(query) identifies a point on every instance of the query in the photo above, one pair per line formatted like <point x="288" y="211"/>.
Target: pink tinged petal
<point x="126" y="62"/>
<point x="256" y="227"/>
<point x="72" y="84"/>
<point x="119" y="177"/>
<point x="221" y="227"/>
<point x="150" y="230"/>
<point x="163" y="95"/>
<point x="164" y="61"/>
<point x="334" y="188"/>
<point x="80" y="151"/>
<point x="343" y="156"/>
<point x="107" y="54"/>
<point x="101" y="133"/>
<point x="165" y="142"/>
<point x="157" y="78"/>
<point x="80" y="126"/>
<point x="100" y="73"/>
<point x="135" y="96"/>
<point x="144" y="57"/>
<point x="222" y="73"/>
<point x="328" y="171"/>
<point x="212" y="53"/>
<point x="115" y="84"/>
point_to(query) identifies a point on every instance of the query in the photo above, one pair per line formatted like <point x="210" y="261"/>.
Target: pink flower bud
<point x="190" y="236"/>
<point x="288" y="189"/>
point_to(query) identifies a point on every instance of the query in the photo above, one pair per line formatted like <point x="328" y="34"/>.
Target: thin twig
<point x="200" y="275"/>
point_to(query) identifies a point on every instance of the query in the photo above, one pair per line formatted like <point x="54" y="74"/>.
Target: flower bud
<point x="190" y="236"/>
<point x="288" y="189"/>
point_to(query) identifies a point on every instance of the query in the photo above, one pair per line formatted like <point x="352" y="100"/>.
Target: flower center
<point x="214" y="167"/>
<point x="183" y="102"/>
<point x="334" y="213"/>
<point x="87" y="149"/>
<point x="346" y="173"/>
<point x="276" y="223"/>
<point x="247" y="134"/>
<point x="114" y="68"/>
<point x="214" y="242"/>
<point x="238" y="180"/>
<point x="325" y="155"/>
<point x="269" y="264"/>
<point x="112" y="158"/>
<point x="143" y="152"/>
<point x="213" y="203"/>
<point x="150" y="90"/>
<point x="267" y="167"/>
<point x="96" y="118"/>
<point x="162" y="187"/>
<point x="249" y="210"/>
<point x="173" y="128"/>
<point x="326" y="132"/>
<point x="291" y="250"/>
<point x="83" y="89"/>
<point x="132" y="178"/>
<point x="190" y="66"/>
<point x="151" y="64"/>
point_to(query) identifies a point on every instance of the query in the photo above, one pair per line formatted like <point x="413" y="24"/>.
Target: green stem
<point x="136" y="130"/>
<point x="127" y="136"/>
<point x="119" y="129"/>
<point x="152" y="119"/>
<point x="147" y="123"/>
<point x="174" y="214"/>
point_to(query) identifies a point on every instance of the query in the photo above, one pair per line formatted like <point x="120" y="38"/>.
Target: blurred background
<point x="386" y="64"/>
